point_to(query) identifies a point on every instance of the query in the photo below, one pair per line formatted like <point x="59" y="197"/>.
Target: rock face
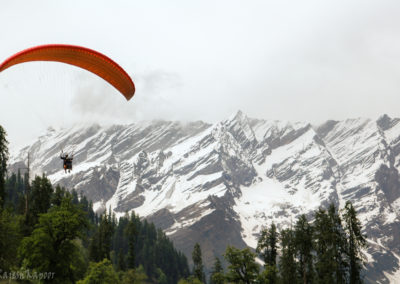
<point x="219" y="184"/>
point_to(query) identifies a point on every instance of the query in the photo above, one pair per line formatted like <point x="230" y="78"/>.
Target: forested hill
<point x="55" y="231"/>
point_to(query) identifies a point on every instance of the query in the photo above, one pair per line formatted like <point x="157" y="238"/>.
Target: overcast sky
<point x="202" y="60"/>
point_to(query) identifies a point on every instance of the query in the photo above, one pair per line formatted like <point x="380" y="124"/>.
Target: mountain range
<point x="219" y="184"/>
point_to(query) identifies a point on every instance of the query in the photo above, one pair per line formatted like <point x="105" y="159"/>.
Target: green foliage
<point x="51" y="246"/>
<point x="58" y="196"/>
<point x="100" y="246"/>
<point x="14" y="193"/>
<point x="198" y="268"/>
<point x="131" y="234"/>
<point x="267" y="248"/>
<point x="287" y="262"/>
<point x="217" y="274"/>
<point x="268" y="275"/>
<point x="267" y="245"/>
<point x="162" y="278"/>
<point x="356" y="241"/>
<point x="61" y="233"/>
<point x="304" y="248"/>
<point x="39" y="198"/>
<point x="100" y="273"/>
<point x="9" y="239"/>
<point x="242" y="266"/>
<point x="135" y="242"/>
<point x="330" y="246"/>
<point x="3" y="164"/>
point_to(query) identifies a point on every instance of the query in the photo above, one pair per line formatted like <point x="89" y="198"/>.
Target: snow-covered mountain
<point x="219" y="184"/>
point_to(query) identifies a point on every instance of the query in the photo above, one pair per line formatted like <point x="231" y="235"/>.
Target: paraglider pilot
<point x="67" y="164"/>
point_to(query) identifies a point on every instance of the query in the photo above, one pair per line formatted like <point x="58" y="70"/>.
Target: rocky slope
<point x="219" y="184"/>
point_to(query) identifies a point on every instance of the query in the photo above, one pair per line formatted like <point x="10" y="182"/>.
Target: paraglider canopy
<point x="82" y="57"/>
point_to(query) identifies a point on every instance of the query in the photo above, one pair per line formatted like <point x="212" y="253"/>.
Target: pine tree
<point x="75" y="199"/>
<point x="11" y="191"/>
<point x="304" y="247"/>
<point x="121" y="261"/>
<point x="287" y="262"/>
<point x="339" y="240"/>
<point x="41" y="194"/>
<point x="198" y="268"/>
<point x="39" y="201"/>
<point x="330" y="247"/>
<point x="267" y="249"/>
<point x="58" y="195"/>
<point x="20" y="206"/>
<point x="356" y="241"/>
<point x="323" y="264"/>
<point x="100" y="245"/>
<point x="3" y="164"/>
<point x="131" y="233"/>
<point x="217" y="273"/>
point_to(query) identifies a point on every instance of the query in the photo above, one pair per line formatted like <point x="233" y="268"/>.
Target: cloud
<point x="95" y="100"/>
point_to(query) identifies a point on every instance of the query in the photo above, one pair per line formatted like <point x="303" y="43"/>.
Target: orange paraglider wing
<point x="82" y="57"/>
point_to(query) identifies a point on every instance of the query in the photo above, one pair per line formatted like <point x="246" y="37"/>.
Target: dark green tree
<point x="14" y="193"/>
<point x="324" y="263"/>
<point x="198" y="268"/>
<point x="131" y="233"/>
<point x="121" y="265"/>
<point x="58" y="195"/>
<point x="100" y="245"/>
<point x="75" y="198"/>
<point x="51" y="246"/>
<point x="304" y="249"/>
<point x="217" y="274"/>
<point x="39" y="201"/>
<point x="41" y="195"/>
<point x="356" y="241"/>
<point x="242" y="265"/>
<point x="330" y="246"/>
<point x="287" y="261"/>
<point x="267" y="248"/>
<point x="9" y="239"/>
<point x="3" y="164"/>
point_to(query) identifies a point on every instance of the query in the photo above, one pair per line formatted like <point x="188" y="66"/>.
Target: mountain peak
<point x="239" y="115"/>
<point x="384" y="122"/>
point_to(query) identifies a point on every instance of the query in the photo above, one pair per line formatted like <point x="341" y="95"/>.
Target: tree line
<point x="326" y="250"/>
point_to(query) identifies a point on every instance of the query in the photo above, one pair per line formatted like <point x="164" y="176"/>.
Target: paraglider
<point x="82" y="57"/>
<point x="67" y="161"/>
